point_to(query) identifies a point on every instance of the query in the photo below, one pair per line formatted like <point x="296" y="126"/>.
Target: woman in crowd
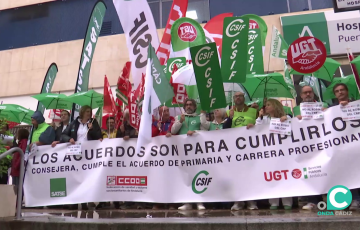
<point x="273" y="109"/>
<point x="83" y="128"/>
<point x="22" y="138"/>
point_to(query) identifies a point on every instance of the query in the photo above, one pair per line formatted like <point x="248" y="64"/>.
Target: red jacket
<point x="165" y="127"/>
<point x="15" y="163"/>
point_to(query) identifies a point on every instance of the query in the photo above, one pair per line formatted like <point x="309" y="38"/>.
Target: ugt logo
<point x="305" y="52"/>
<point x="201" y="182"/>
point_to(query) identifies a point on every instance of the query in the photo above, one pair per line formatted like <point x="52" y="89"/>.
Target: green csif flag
<point x="207" y="72"/>
<point x="279" y="47"/>
<point x="256" y="44"/>
<point x="234" y="49"/>
<point x="48" y="84"/>
<point x="87" y="53"/>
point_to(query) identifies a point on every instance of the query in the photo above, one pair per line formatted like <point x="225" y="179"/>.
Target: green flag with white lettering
<point x="279" y="47"/>
<point x="234" y="49"/>
<point x="207" y="72"/>
<point x="87" y="53"/>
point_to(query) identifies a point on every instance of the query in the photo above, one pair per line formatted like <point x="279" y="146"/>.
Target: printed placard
<point x="73" y="149"/>
<point x="276" y="126"/>
<point x="311" y="110"/>
<point x="350" y="111"/>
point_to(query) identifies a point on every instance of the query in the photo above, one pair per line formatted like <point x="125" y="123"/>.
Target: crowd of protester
<point x="85" y="128"/>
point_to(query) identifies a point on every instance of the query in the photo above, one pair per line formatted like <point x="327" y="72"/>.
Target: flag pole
<point x="316" y="87"/>
<point x="270" y="50"/>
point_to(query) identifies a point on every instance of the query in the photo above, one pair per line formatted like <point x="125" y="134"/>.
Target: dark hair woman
<point x="83" y="128"/>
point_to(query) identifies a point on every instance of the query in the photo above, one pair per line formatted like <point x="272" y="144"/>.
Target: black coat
<point x="58" y="132"/>
<point x="129" y="131"/>
<point x="71" y="131"/>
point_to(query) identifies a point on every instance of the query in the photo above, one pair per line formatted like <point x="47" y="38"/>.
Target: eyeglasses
<point x="238" y="96"/>
<point x="191" y="104"/>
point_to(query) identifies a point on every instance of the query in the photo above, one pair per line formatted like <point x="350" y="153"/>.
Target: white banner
<point x="216" y="166"/>
<point x="139" y="28"/>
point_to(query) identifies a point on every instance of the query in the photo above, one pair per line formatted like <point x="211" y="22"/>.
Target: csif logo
<point x="339" y="198"/>
<point x="179" y="63"/>
<point x="203" y="55"/>
<point x="200" y="182"/>
<point x="187" y="32"/>
<point x="235" y="27"/>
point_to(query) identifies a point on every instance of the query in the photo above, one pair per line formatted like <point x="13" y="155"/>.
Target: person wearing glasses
<point x="65" y="119"/>
<point x="188" y="123"/>
<point x="239" y="116"/>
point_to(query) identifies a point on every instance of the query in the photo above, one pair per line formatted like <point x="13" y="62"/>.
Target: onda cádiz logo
<point x="339" y="198"/>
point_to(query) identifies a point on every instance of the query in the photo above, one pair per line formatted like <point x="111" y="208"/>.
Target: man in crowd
<point x="126" y="131"/>
<point x="65" y="119"/>
<point x="307" y="95"/>
<point x="110" y="125"/>
<point x="341" y="93"/>
<point x="239" y="116"/>
<point x="163" y="126"/>
<point x="188" y="123"/>
<point x="43" y="134"/>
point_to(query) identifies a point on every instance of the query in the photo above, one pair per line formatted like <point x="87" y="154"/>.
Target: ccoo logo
<point x="235" y="27"/>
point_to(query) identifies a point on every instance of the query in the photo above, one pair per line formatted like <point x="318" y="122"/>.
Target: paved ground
<point x="296" y="219"/>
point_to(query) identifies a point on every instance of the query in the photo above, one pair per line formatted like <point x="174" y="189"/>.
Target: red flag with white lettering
<point x="109" y="102"/>
<point x="134" y="118"/>
<point x="178" y="10"/>
<point x="215" y="28"/>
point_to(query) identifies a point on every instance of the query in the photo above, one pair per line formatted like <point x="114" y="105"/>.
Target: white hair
<point x="223" y="112"/>
<point x="126" y="112"/>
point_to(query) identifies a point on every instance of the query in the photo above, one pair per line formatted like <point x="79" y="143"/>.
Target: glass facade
<point x="60" y="21"/>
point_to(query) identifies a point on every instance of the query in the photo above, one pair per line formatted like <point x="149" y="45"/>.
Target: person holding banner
<point x="240" y="115"/>
<point x="65" y="119"/>
<point x="341" y="92"/>
<point x="218" y="121"/>
<point x="83" y="128"/>
<point x="273" y="109"/>
<point x="307" y="95"/>
<point x="163" y="126"/>
<point x="188" y="123"/>
<point x="111" y="131"/>
<point x="43" y="134"/>
<point x="126" y="131"/>
<point x="190" y="119"/>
